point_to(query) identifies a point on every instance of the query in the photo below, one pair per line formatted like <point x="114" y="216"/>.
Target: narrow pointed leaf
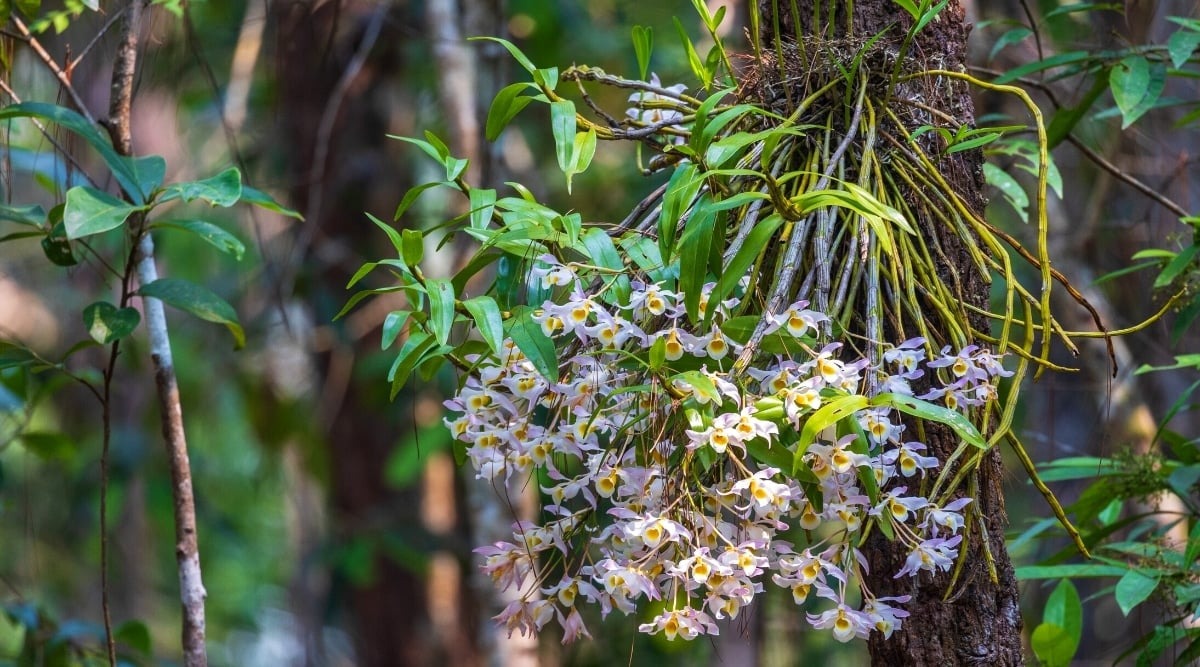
<point x="199" y="301"/>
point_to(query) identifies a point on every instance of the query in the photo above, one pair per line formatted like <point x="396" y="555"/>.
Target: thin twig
<point x="112" y="20"/>
<point x="52" y="64"/>
<point x="46" y="134"/>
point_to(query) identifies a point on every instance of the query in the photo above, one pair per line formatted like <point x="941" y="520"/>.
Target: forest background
<point x="334" y="526"/>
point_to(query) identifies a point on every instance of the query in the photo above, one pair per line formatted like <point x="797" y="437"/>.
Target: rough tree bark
<point x="980" y="624"/>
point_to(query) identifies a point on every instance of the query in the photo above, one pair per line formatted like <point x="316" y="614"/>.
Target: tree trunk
<point x="980" y="624"/>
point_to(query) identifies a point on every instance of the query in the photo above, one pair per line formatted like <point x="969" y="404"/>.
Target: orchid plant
<point x="733" y="385"/>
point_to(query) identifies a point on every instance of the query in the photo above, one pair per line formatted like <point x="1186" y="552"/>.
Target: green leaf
<point x="643" y="46"/>
<point x="30" y="216"/>
<point x="106" y="323"/>
<point x="1065" y="119"/>
<point x="412" y="246"/>
<point x="1014" y="36"/>
<point x="148" y="171"/>
<point x="1176" y="266"/>
<point x="49" y="446"/>
<point x="829" y="414"/>
<point x="210" y="233"/>
<point x="516" y="53"/>
<point x="224" y="189"/>
<point x="1064" y="610"/>
<point x="920" y="409"/>
<point x="1058" y="60"/>
<point x="135" y="635"/>
<point x="529" y="338"/>
<point x="76" y="123"/>
<point x="698" y="67"/>
<point x="393" y="234"/>
<point x="414" y="348"/>
<point x="1009" y="188"/>
<point x="681" y="191"/>
<point x="1136" y="85"/>
<point x="488" y="322"/>
<point x="1052" y="645"/>
<point x="256" y="197"/>
<point x="582" y="152"/>
<point x="1181" y="361"/>
<point x="756" y="242"/>
<point x="1133" y="589"/>
<point x="199" y="301"/>
<point x="411" y="197"/>
<point x="29" y="8"/>
<point x="694" y="249"/>
<point x="562" y="123"/>
<point x="441" y="308"/>
<point x="508" y="103"/>
<point x="90" y="211"/>
<point x="1181" y="45"/>
<point x="604" y="254"/>
<point x="1072" y="570"/>
<point x="929" y="15"/>
<point x="57" y="247"/>
<point x="910" y="7"/>
<point x="393" y="324"/>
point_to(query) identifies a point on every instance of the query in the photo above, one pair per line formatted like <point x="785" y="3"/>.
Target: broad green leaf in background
<point x="1181" y="45"/>
<point x="148" y="171"/>
<point x="135" y="635"/>
<point x="1051" y="644"/>
<point x="1014" y="36"/>
<point x="1064" y="612"/>
<point x="1136" y="85"/>
<point x="76" y="123"/>
<point x="1133" y="589"/>
<point x="256" y="197"/>
<point x="1009" y="188"/>
<point x="224" y="189"/>
<point x="90" y="211"/>
<point x="106" y="323"/>
<point x="199" y="301"/>
<point x="214" y="235"/>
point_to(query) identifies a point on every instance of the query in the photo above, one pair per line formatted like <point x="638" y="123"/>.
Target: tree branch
<point x="187" y="551"/>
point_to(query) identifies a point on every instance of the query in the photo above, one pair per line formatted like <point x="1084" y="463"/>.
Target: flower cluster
<point x="672" y="475"/>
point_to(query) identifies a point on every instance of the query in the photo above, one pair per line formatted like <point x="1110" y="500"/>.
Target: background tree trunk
<point x="981" y="623"/>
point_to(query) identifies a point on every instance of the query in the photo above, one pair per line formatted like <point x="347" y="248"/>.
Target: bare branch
<point x="187" y="551"/>
<point x="63" y="77"/>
